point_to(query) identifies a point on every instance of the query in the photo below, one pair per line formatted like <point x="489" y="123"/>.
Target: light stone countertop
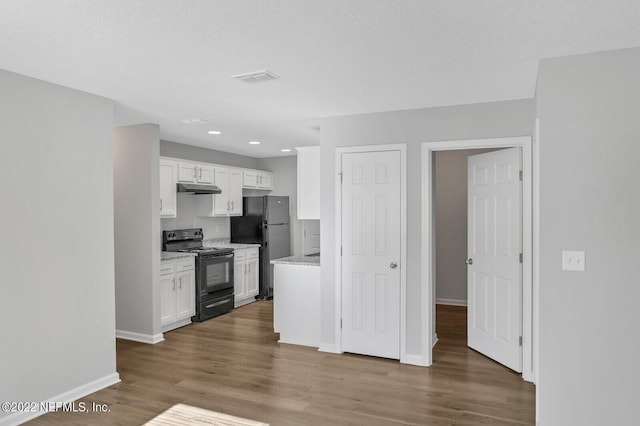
<point x="171" y="255"/>
<point x="298" y="260"/>
<point x="224" y="243"/>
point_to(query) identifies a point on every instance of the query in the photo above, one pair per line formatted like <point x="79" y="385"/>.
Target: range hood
<point x="195" y="188"/>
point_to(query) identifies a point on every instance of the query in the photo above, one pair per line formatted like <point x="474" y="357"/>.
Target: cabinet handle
<point x="218" y="303"/>
<point x="200" y="172"/>
<point x="180" y="283"/>
<point x="173" y="286"/>
<point x="195" y="173"/>
<point x="228" y="205"/>
<point x="232" y="205"/>
<point x="160" y="204"/>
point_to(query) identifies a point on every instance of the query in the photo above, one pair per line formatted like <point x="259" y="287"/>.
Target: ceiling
<point x="163" y="61"/>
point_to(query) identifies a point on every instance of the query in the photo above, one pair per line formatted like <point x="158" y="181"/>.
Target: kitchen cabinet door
<point x="239" y="287"/>
<point x="167" y="298"/>
<point x="235" y="192"/>
<point x="205" y="175"/>
<point x="250" y="179"/>
<point x="221" y="202"/>
<point x="187" y="172"/>
<point x="252" y="276"/>
<point x="265" y="180"/>
<point x="168" y="188"/>
<point x="185" y="294"/>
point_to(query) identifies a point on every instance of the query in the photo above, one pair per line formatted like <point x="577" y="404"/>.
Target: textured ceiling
<point x="166" y="60"/>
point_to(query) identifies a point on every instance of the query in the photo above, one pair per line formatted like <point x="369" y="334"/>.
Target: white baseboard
<point x="64" y="398"/>
<point x="173" y="326"/>
<point x="332" y="349"/>
<point x="299" y="342"/>
<point x="139" y="337"/>
<point x="451" y="302"/>
<point x="414" y="359"/>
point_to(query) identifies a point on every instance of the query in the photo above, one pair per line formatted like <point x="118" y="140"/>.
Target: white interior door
<point x="371" y="240"/>
<point x="494" y="316"/>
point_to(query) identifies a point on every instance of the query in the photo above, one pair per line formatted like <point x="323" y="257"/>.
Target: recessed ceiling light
<point x="256" y="76"/>
<point x="254" y="143"/>
<point x="214" y="132"/>
<point x="194" y="121"/>
<point x="285" y="150"/>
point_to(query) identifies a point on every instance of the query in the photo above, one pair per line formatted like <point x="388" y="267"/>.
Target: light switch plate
<point x="572" y="260"/>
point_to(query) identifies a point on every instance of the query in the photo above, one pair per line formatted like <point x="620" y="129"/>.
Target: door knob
<point x="393" y="265"/>
<point x="469" y="262"/>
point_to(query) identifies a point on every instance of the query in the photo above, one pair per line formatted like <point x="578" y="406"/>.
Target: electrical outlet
<point x="573" y="260"/>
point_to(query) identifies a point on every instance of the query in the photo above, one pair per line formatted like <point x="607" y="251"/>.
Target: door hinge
<point x="340" y="322"/>
<point x="340" y="250"/>
<point x="340" y="177"/>
<point x="520" y="340"/>
<point x="520" y="257"/>
<point x="520" y="174"/>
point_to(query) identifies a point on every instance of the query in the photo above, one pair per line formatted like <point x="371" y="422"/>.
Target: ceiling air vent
<point x="256" y="76"/>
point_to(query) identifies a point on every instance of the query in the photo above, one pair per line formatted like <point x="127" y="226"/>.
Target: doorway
<point x="429" y="239"/>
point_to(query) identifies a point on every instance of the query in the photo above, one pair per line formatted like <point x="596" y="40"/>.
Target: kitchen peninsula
<point x="296" y="299"/>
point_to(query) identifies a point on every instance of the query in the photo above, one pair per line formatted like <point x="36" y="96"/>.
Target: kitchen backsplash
<point x="212" y="227"/>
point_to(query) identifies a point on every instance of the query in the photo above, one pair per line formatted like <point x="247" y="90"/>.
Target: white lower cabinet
<point x="177" y="293"/>
<point x="246" y="273"/>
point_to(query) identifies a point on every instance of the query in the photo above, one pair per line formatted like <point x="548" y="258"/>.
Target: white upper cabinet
<point x="221" y="203"/>
<point x="195" y="173"/>
<point x="250" y="179"/>
<point x="235" y="192"/>
<point x="229" y="202"/>
<point x="168" y="172"/>
<point x="230" y="180"/>
<point x="204" y="175"/>
<point x="265" y="180"/>
<point x="186" y="172"/>
<point x="309" y="182"/>
<point x="256" y="179"/>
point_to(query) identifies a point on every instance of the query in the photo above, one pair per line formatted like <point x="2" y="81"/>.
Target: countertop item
<point x="170" y="255"/>
<point x="298" y="260"/>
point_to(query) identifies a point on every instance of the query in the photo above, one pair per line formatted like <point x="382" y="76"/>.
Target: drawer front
<point x="252" y="253"/>
<point x="167" y="268"/>
<point x="185" y="266"/>
<point x="216" y="307"/>
<point x="239" y="254"/>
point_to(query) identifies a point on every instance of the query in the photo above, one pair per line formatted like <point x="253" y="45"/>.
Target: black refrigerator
<point x="265" y="221"/>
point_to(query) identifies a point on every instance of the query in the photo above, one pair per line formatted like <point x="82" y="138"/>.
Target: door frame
<point x="529" y="243"/>
<point x="403" y="239"/>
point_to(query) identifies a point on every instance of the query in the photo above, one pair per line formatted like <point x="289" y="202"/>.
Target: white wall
<point x="498" y="119"/>
<point x="57" y="316"/>
<point x="196" y="153"/>
<point x="450" y="202"/>
<point x="285" y="177"/>
<point x="137" y="231"/>
<point x="212" y="227"/>
<point x="588" y="107"/>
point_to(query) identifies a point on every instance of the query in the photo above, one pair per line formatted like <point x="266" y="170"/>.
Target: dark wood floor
<point x="233" y="364"/>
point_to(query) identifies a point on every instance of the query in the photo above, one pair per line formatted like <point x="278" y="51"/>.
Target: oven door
<point x="216" y="274"/>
